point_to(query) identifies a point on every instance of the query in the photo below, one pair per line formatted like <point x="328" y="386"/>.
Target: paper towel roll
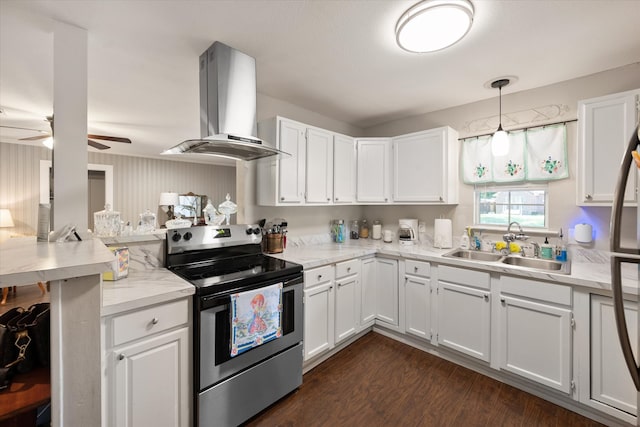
<point x="442" y="234"/>
<point x="583" y="233"/>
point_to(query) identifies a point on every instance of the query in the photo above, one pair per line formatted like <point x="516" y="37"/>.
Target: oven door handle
<point x="294" y="281"/>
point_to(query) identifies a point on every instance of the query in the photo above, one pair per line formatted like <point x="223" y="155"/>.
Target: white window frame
<point x="480" y="188"/>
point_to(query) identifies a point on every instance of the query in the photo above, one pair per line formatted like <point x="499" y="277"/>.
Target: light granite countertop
<point x="25" y="261"/>
<point x="589" y="269"/>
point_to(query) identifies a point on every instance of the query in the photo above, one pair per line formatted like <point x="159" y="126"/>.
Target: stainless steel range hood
<point x="227" y="108"/>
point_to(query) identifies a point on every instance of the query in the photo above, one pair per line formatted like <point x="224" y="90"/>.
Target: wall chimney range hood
<point x="227" y="108"/>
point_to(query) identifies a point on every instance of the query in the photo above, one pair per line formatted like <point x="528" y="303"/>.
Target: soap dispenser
<point x="546" y="250"/>
<point x="464" y="240"/>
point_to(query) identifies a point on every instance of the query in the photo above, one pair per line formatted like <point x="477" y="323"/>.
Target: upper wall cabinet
<point x="374" y="170"/>
<point x="605" y="125"/>
<point x="425" y="167"/>
<point x="304" y="178"/>
<point x="344" y="169"/>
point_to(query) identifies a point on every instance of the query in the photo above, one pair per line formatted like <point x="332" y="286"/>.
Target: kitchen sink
<point x="539" y="264"/>
<point x="473" y="255"/>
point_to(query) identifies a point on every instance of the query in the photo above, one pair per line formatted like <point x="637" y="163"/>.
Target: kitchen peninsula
<point x="73" y="270"/>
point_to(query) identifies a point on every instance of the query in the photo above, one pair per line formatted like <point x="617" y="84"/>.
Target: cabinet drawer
<point x="347" y="268"/>
<point x="148" y="321"/>
<point x="318" y="275"/>
<point x="551" y="292"/>
<point x="479" y="279"/>
<point x="417" y="268"/>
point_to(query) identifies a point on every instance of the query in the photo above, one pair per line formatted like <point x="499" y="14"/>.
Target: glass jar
<point x="364" y="229"/>
<point x="147" y="222"/>
<point x="354" y="231"/>
<point x="376" y="230"/>
<point x="339" y="231"/>
<point x="106" y="222"/>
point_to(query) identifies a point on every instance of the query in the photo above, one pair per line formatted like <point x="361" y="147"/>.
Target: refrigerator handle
<point x="616" y="277"/>
<point x="618" y="198"/>
<point x="621" y="322"/>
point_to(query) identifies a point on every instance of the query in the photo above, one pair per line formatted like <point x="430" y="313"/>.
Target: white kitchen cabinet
<point x="611" y="383"/>
<point x="344" y="169"/>
<point x="319" y="166"/>
<point x="536" y="331"/>
<point x="417" y="299"/>
<point x="386" y="291"/>
<point x="319" y="311"/>
<point x="464" y="311"/>
<point x="425" y="167"/>
<point x="148" y="378"/>
<point x="374" y="170"/>
<point x="347" y="299"/>
<point x="368" y="292"/>
<point x="605" y="125"/>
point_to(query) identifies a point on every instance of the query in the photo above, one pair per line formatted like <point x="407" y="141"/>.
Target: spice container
<point x="364" y="229"/>
<point x="376" y="230"/>
<point x="354" y="231"/>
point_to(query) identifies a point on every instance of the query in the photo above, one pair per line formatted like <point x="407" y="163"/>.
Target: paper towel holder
<point x="583" y="233"/>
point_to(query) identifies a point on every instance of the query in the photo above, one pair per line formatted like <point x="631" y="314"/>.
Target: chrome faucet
<point x="510" y="237"/>
<point x="536" y="249"/>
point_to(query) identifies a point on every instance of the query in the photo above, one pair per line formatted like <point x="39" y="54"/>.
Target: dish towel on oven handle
<point x="256" y="318"/>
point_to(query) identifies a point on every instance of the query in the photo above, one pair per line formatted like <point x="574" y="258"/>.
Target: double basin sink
<point x="531" y="264"/>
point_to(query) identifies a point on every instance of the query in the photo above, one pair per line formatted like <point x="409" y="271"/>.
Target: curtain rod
<point x="523" y="128"/>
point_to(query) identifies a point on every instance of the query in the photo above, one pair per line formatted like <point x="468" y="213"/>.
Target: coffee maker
<point x="408" y="232"/>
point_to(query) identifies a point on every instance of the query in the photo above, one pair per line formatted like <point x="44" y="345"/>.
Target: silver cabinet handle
<point x="486" y="297"/>
<point x="336" y="199"/>
<point x="386" y="200"/>
<point x="348" y="269"/>
<point x="155" y="320"/>
<point x="328" y="199"/>
<point x="441" y="199"/>
<point x="415" y="269"/>
<point x="281" y="198"/>
<point x="502" y="300"/>
<point x="588" y="196"/>
<point x="319" y="276"/>
<point x="121" y="356"/>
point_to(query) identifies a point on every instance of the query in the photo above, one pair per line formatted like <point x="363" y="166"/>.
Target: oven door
<point x="214" y="355"/>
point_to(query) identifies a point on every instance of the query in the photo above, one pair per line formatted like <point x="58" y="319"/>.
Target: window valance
<point x="537" y="154"/>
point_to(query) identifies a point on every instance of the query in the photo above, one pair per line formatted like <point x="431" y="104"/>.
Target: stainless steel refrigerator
<point x="626" y="253"/>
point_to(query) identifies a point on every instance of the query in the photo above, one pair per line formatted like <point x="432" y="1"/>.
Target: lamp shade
<point x="500" y="143"/>
<point x="432" y="25"/>
<point x="5" y="218"/>
<point x="169" y="199"/>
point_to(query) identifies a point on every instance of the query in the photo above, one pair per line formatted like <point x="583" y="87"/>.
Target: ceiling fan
<point x="90" y="137"/>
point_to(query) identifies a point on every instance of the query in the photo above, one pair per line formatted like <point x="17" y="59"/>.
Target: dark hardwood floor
<point x="380" y="382"/>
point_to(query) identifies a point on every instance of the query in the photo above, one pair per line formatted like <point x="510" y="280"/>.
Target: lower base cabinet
<point x="417" y="299"/>
<point x="148" y="360"/>
<point x="319" y="311"/>
<point x="464" y="311"/>
<point x="611" y="383"/>
<point x="347" y="300"/>
<point x="536" y="331"/>
<point x="386" y="292"/>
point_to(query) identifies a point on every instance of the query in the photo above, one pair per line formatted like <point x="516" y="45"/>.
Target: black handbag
<point x="24" y="341"/>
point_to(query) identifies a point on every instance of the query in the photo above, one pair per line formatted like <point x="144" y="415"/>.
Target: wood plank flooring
<point x="380" y="382"/>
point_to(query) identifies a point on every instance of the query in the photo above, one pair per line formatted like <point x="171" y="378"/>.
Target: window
<point x="501" y="206"/>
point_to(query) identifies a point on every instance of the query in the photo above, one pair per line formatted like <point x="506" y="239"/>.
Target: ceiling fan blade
<point x="111" y="138"/>
<point x="97" y="145"/>
<point x="34" y="138"/>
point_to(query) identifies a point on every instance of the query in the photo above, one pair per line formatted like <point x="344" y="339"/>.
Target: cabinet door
<point x="373" y="171"/>
<point x="535" y="340"/>
<point x="151" y="381"/>
<point x="319" y="167"/>
<point x="605" y="126"/>
<point x="419" y="167"/>
<point x="318" y="319"/>
<point x="464" y="316"/>
<point x="368" y="292"/>
<point x="292" y="169"/>
<point x="417" y="306"/>
<point x="611" y="383"/>
<point x="347" y="307"/>
<point x="344" y="169"/>
<point x="387" y="290"/>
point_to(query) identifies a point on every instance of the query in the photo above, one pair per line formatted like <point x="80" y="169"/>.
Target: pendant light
<point x="500" y="141"/>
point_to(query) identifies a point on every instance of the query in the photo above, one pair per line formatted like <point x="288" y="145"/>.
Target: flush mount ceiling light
<point x="500" y="140"/>
<point x="433" y="25"/>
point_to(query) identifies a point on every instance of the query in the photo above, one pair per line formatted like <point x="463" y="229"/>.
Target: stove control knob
<point x="188" y="235"/>
<point x="256" y="230"/>
<point x="249" y="231"/>
<point x="176" y="237"/>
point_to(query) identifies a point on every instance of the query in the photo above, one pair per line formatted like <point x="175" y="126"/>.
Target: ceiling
<point x="335" y="58"/>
